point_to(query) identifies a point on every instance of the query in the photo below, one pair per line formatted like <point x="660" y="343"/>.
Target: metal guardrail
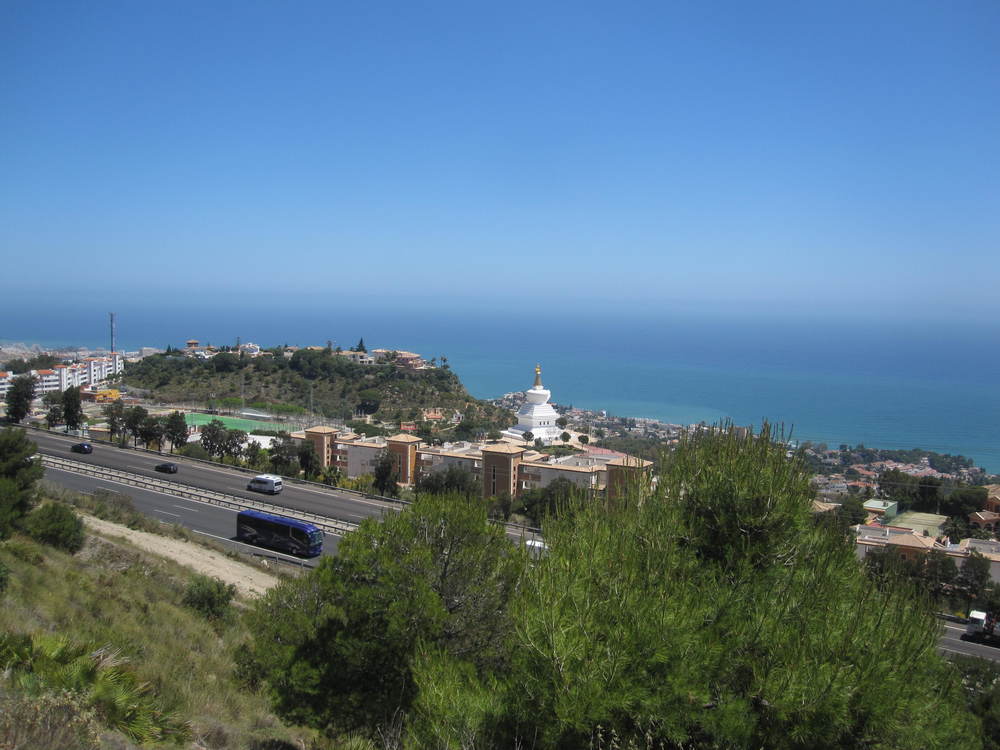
<point x="210" y="497"/>
<point x="263" y="554"/>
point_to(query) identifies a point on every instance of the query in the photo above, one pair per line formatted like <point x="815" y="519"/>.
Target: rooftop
<point x="630" y="461"/>
<point x="503" y="448"/>
<point x="401" y="438"/>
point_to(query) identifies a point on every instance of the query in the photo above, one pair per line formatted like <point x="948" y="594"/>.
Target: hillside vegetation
<point x="335" y="386"/>
<point x="104" y="638"/>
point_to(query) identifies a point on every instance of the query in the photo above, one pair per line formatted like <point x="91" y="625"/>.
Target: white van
<point x="536" y="548"/>
<point x="267" y="483"/>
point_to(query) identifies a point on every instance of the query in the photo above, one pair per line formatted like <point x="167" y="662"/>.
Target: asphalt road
<point x="209" y="520"/>
<point x="326" y="502"/>
<point x="952" y="643"/>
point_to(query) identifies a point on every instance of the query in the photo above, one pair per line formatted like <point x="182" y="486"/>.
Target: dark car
<point x="82" y="448"/>
<point x="167" y="468"/>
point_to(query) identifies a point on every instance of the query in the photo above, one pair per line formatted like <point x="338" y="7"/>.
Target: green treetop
<point x="19" y="397"/>
<point x="19" y="473"/>
<point x="335" y="647"/>
<point x="708" y="612"/>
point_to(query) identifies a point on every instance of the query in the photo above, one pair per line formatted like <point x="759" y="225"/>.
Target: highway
<point x="952" y="643"/>
<point x="210" y="521"/>
<point x="332" y="503"/>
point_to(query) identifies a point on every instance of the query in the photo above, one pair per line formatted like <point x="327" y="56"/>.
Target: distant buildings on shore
<point x="398" y="357"/>
<point x="914" y="535"/>
<point x="89" y="371"/>
<point x="503" y="468"/>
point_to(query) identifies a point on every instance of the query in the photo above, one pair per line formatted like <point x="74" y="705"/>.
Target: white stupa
<point x="536" y="415"/>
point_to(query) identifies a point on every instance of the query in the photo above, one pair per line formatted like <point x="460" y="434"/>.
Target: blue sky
<point x="778" y="156"/>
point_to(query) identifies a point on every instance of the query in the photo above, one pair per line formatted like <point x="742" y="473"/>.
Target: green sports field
<point x="236" y="423"/>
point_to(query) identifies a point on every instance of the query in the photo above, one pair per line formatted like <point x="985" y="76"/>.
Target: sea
<point x="824" y="377"/>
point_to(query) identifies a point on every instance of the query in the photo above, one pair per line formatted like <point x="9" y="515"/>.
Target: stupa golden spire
<point x="538" y="376"/>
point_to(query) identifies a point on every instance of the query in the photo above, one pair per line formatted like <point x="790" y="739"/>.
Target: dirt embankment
<point x="249" y="581"/>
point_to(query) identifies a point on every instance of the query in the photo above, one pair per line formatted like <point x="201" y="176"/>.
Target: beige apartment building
<point x="502" y="467"/>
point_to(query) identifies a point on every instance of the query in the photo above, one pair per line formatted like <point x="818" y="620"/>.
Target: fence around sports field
<point x="196" y="419"/>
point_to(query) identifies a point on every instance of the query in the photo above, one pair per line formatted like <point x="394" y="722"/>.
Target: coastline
<point x="890" y="411"/>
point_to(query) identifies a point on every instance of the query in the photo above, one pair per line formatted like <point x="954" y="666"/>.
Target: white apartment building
<point x="89" y="371"/>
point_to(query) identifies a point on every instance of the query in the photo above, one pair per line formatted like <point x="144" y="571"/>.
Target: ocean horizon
<point x="886" y="384"/>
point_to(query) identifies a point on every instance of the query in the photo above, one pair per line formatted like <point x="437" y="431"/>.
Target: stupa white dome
<point x="536" y="415"/>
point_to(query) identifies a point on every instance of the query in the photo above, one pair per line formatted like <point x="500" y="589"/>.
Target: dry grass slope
<point x="111" y="594"/>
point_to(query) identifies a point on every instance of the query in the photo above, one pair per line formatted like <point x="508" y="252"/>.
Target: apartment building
<point x="501" y="467"/>
<point x="89" y="371"/>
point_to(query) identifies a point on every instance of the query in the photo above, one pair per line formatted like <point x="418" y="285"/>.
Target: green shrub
<point x="210" y="597"/>
<point x="4" y="578"/>
<point x="108" y="506"/>
<point x="195" y="450"/>
<point x="100" y="677"/>
<point x="56" y="524"/>
<point x="270" y="744"/>
<point x="24" y="550"/>
<point x="51" y="720"/>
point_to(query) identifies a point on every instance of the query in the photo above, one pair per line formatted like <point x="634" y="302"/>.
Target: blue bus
<point x="285" y="534"/>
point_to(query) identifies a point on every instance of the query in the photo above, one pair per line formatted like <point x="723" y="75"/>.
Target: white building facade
<point x="90" y="371"/>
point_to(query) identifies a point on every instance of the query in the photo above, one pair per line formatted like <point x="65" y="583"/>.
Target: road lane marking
<point x="190" y="510"/>
<point x="977" y="654"/>
<point x="98" y="480"/>
<point x="166" y="513"/>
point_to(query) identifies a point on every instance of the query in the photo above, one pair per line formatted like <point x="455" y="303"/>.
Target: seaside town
<point x="618" y="376"/>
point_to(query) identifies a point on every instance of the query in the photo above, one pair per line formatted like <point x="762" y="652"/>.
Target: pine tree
<point x="176" y="430"/>
<point x="72" y="408"/>
<point x="19" y="397"/>
<point x="19" y="473"/>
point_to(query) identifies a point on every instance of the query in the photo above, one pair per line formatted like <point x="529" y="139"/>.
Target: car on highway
<point x="167" y="468"/>
<point x="82" y="448"/>
<point x="267" y="483"/>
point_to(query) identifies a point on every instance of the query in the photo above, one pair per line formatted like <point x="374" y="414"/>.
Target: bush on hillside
<point x="210" y="597"/>
<point x="56" y="524"/>
<point x="52" y="720"/>
<point x="106" y="686"/>
<point x="4" y="578"/>
<point x="23" y="549"/>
